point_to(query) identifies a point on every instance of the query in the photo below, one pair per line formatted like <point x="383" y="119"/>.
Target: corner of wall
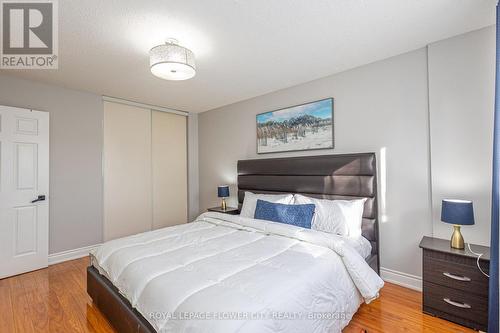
<point x="193" y="168"/>
<point x="429" y="143"/>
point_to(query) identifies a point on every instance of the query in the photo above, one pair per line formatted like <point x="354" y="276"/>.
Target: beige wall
<point x="76" y="145"/>
<point x="462" y="92"/>
<point x="75" y="158"/>
<point x="384" y="107"/>
<point x="379" y="108"/>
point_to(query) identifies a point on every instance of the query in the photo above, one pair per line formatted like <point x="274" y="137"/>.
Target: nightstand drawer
<point x="453" y="286"/>
<point x="457" y="276"/>
<point x="457" y="303"/>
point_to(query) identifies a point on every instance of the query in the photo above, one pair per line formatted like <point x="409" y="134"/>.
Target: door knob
<point x="40" y="198"/>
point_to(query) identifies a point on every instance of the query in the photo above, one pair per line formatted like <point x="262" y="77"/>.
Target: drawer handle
<point x="457" y="277"/>
<point x="457" y="304"/>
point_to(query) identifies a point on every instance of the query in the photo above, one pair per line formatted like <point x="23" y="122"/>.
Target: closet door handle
<point x="40" y="198"/>
<point x="457" y="277"/>
<point x="457" y="304"/>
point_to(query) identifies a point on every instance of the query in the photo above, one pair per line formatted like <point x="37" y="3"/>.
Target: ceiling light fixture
<point x="170" y="61"/>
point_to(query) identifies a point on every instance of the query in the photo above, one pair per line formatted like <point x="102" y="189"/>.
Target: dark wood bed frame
<point x="345" y="176"/>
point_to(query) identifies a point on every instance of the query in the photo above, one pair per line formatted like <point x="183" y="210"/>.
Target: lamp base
<point x="457" y="240"/>
<point x="223" y="205"/>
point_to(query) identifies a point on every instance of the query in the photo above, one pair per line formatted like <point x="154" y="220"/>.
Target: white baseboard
<point x="59" y="257"/>
<point x="402" y="279"/>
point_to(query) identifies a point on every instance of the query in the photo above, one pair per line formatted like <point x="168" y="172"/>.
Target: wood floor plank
<point x="97" y="320"/>
<point x="58" y="320"/>
<point x="37" y="300"/>
<point x="63" y="287"/>
<point x="20" y="306"/>
<point x="6" y="308"/>
<point x="55" y="300"/>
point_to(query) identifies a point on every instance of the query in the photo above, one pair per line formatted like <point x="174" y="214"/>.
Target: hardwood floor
<point x="55" y="300"/>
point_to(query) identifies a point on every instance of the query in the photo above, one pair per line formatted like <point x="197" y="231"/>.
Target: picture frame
<point x="307" y="126"/>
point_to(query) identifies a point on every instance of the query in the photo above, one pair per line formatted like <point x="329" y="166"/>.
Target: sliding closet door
<point x="169" y="146"/>
<point x="127" y="170"/>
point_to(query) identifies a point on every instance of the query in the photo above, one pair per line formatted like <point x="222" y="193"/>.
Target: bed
<point x="227" y="273"/>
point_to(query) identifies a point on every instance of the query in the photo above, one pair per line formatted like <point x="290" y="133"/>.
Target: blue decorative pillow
<point x="297" y="215"/>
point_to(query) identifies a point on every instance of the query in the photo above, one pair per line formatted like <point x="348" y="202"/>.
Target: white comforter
<point x="225" y="273"/>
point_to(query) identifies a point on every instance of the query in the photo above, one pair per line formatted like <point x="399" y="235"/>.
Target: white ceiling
<point x="243" y="48"/>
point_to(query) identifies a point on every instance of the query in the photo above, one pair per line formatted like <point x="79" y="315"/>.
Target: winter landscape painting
<point x="302" y="127"/>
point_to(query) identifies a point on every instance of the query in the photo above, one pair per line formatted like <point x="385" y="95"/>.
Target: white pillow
<point x="341" y="217"/>
<point x="250" y="202"/>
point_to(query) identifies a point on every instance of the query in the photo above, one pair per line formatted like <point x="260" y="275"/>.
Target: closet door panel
<point x="169" y="162"/>
<point x="127" y="170"/>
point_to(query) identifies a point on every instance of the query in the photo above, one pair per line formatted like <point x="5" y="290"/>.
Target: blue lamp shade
<point x="459" y="212"/>
<point x="223" y="191"/>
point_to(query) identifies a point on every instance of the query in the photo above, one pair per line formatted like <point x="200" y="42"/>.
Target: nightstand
<point x="453" y="287"/>
<point x="229" y="210"/>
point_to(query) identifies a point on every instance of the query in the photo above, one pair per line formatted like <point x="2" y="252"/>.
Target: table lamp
<point x="223" y="192"/>
<point x="457" y="212"/>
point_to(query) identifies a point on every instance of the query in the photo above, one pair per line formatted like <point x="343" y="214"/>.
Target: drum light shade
<point x="223" y="191"/>
<point x="171" y="61"/>
<point x="458" y="212"/>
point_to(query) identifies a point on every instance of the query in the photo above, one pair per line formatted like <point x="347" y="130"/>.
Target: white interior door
<point x="24" y="178"/>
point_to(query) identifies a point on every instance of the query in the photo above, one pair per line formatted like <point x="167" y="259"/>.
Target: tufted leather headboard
<point x="345" y="176"/>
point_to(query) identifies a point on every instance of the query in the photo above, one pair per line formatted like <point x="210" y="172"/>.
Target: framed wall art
<point x="302" y="127"/>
